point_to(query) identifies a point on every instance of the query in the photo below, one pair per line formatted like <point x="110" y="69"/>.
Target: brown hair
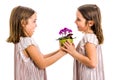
<point x="92" y="12"/>
<point x="18" y="14"/>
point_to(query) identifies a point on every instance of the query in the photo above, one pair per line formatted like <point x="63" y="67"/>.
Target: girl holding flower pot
<point x="88" y="60"/>
<point x="30" y="62"/>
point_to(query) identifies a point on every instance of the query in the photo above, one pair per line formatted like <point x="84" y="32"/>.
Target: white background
<point x="52" y="16"/>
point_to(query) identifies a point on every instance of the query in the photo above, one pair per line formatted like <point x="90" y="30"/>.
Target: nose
<point x="75" y="22"/>
<point x="36" y="25"/>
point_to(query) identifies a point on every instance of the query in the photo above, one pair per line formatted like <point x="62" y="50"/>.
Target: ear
<point x="23" y="23"/>
<point x="91" y="23"/>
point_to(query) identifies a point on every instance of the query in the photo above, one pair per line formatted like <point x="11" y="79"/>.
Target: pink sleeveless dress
<point x="24" y="67"/>
<point x="81" y="71"/>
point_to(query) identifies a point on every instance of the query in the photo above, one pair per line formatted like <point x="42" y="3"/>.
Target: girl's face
<point x="31" y="25"/>
<point x="81" y="22"/>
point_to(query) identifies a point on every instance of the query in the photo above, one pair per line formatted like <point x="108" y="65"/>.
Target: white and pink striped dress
<point x="24" y="68"/>
<point x="81" y="71"/>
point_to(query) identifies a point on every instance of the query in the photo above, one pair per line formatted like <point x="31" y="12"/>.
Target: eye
<point x="34" y="21"/>
<point x="77" y="19"/>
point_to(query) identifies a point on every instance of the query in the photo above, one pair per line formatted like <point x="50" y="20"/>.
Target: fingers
<point x="67" y="46"/>
<point x="64" y="49"/>
<point x="68" y="42"/>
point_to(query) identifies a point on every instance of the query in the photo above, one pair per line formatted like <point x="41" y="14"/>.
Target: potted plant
<point x="66" y="35"/>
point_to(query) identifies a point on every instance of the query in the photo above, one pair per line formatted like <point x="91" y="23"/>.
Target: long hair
<point x="18" y="14"/>
<point x="92" y="12"/>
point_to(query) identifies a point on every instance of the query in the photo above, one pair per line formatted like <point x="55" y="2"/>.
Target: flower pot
<point x="62" y="41"/>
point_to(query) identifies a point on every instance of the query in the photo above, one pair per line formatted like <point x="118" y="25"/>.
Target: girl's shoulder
<point x="26" y="41"/>
<point x="25" y="38"/>
<point x="91" y="38"/>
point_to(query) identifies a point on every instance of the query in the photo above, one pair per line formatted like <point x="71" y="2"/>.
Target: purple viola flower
<point x="69" y="31"/>
<point x="65" y="31"/>
<point x="60" y="32"/>
<point x="66" y="34"/>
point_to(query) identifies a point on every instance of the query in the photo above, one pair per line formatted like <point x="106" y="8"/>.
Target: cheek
<point x="81" y="27"/>
<point x="28" y="28"/>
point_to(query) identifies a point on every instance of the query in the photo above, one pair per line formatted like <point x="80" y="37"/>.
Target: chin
<point x="79" y="29"/>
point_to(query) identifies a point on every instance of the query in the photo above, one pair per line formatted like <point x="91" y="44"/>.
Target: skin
<point x="30" y="27"/>
<point x="90" y="59"/>
<point x="42" y="61"/>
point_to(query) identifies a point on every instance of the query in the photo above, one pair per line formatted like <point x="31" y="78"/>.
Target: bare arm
<point x="39" y="58"/>
<point x="89" y="60"/>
